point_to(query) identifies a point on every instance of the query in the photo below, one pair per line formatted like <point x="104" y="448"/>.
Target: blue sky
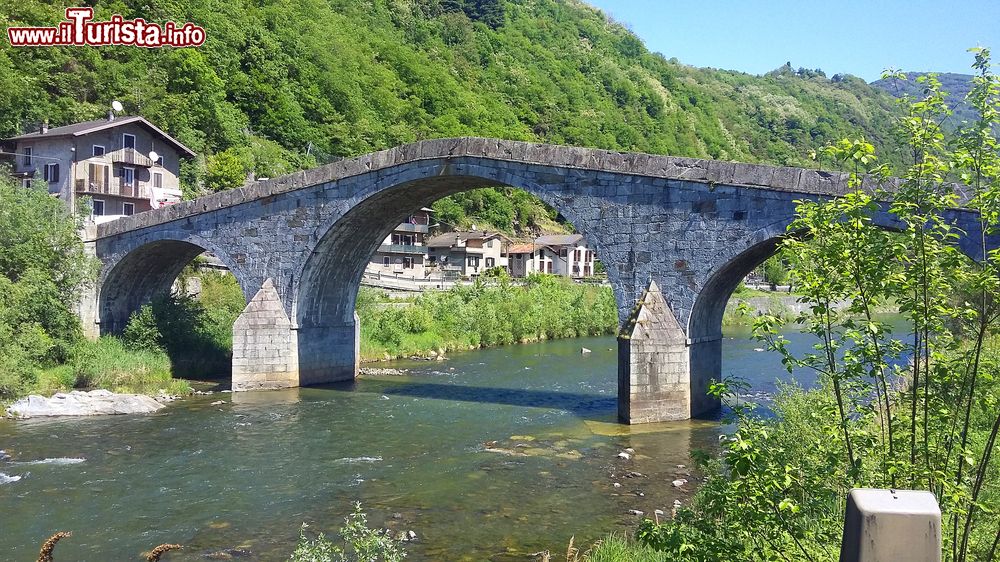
<point x="848" y="36"/>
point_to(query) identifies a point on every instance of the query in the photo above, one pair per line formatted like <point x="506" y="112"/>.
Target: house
<point x="521" y="259"/>
<point x="404" y="252"/>
<point x="562" y="254"/>
<point x="125" y="165"/>
<point x="468" y="253"/>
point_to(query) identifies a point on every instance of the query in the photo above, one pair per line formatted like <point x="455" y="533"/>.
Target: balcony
<point x="114" y="187"/>
<point x="402" y="249"/>
<point x="130" y="157"/>
<point x="407" y="227"/>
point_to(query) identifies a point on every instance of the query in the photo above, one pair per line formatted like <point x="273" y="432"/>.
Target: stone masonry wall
<point x="653" y="364"/>
<point x="264" y="351"/>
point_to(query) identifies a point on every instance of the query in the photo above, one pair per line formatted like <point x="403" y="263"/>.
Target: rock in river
<point x="80" y="403"/>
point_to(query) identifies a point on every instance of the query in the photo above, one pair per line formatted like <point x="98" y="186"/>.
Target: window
<point x="98" y="208"/>
<point x="563" y="253"/>
<point x="128" y="176"/>
<point x="128" y="209"/>
<point x="27" y="156"/>
<point x="576" y="255"/>
<point x="26" y="183"/>
<point x="159" y="161"/>
<point x="98" y="150"/>
<point x="490" y="262"/>
<point x="590" y="255"/>
<point x="99" y="176"/>
<point x="473" y="261"/>
<point x="128" y="141"/>
<point x="407" y="263"/>
<point x="51" y="173"/>
<point x="157" y="179"/>
<point x="386" y="261"/>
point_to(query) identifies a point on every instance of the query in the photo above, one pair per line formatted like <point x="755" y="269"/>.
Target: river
<point x="490" y="455"/>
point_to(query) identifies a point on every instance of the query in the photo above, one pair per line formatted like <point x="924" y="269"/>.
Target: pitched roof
<point x="559" y="240"/>
<point x="521" y="249"/>
<point x="449" y="239"/>
<point x="87" y="127"/>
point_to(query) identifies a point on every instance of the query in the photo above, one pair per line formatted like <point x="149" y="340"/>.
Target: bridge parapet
<point x="712" y="172"/>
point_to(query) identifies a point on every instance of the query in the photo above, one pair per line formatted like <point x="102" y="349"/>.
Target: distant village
<point x="122" y="165"/>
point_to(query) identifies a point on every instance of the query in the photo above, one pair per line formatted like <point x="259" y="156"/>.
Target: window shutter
<point x="55" y="173"/>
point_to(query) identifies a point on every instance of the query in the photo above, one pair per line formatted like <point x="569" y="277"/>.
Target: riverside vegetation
<point x="918" y="409"/>
<point x="42" y="268"/>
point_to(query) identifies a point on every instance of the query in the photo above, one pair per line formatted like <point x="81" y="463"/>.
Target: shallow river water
<point x="490" y="455"/>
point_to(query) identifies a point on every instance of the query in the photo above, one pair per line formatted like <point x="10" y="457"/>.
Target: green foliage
<point x="283" y="85"/>
<point x="196" y="333"/>
<point x="108" y="363"/>
<point x="620" y="548"/>
<point x="494" y="311"/>
<point x="362" y="544"/>
<point x="917" y="410"/>
<point x="42" y="268"/>
<point x="775" y="271"/>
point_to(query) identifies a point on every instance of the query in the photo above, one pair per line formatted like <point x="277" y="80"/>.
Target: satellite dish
<point x="153" y="155"/>
<point x="117" y="105"/>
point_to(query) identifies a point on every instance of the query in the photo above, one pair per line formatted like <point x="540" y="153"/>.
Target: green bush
<point x="109" y="363"/>
<point x="363" y="544"/>
<point x="196" y="333"/>
<point x="492" y="312"/>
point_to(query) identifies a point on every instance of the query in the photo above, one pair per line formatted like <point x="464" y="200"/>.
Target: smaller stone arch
<point x="705" y="323"/>
<point x="133" y="276"/>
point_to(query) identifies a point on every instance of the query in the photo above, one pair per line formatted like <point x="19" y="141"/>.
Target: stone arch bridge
<point x="676" y="236"/>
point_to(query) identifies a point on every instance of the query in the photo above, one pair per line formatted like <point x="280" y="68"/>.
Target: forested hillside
<point x="957" y="86"/>
<point x="281" y="85"/>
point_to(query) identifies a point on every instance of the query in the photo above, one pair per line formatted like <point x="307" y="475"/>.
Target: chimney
<point x="44" y="128"/>
<point x="111" y="115"/>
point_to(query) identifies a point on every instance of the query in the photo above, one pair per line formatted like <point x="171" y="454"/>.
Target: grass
<point x="491" y="313"/>
<point x="614" y="547"/>
<point x="107" y="363"/>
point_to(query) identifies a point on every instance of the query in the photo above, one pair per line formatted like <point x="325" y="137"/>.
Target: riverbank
<point x="490" y="313"/>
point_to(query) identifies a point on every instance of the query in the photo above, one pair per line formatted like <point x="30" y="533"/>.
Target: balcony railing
<point x="402" y="249"/>
<point x="116" y="187"/>
<point x="131" y="157"/>
<point x="407" y="227"/>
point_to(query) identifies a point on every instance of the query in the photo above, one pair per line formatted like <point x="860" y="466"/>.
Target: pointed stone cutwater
<point x="653" y="374"/>
<point x="264" y="350"/>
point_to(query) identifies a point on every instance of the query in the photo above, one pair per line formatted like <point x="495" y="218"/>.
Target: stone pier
<point x="264" y="352"/>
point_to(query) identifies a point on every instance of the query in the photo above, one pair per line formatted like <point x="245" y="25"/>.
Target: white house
<point x="560" y="254"/>
<point x="404" y="252"/>
<point x="125" y="165"/>
<point x="468" y="253"/>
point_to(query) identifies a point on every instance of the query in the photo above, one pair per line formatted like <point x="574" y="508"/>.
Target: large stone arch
<point x="327" y="284"/>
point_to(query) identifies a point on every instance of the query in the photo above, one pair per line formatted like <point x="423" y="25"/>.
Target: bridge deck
<point x="801" y="180"/>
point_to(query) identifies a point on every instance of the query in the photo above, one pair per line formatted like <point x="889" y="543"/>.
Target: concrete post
<point x="890" y="526"/>
<point x="264" y="351"/>
<point x="653" y="371"/>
